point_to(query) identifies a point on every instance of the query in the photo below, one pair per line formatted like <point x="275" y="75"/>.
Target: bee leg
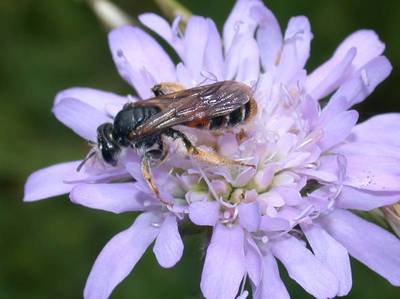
<point x="148" y="176"/>
<point x="164" y="88"/>
<point x="202" y="155"/>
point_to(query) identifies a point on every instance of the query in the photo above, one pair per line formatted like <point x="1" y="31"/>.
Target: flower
<point x="313" y="162"/>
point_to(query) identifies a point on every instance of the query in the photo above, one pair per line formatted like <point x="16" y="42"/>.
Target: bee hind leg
<point x="165" y="88"/>
<point x="208" y="157"/>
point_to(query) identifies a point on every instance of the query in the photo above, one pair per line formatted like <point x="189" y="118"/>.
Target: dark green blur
<point x="47" y="248"/>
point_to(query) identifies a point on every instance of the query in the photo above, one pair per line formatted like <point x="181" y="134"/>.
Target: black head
<point x="106" y="143"/>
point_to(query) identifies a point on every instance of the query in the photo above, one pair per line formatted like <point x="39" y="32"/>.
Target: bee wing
<point x="204" y="102"/>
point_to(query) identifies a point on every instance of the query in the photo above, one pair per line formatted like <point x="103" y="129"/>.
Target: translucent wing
<point x="203" y="102"/>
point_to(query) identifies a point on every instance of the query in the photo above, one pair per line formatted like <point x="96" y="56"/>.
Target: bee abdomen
<point x="236" y="117"/>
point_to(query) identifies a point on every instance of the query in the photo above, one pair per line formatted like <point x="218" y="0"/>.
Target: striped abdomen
<point x="236" y="117"/>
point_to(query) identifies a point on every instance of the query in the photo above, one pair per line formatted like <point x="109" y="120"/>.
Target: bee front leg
<point x="164" y="88"/>
<point x="202" y="155"/>
<point x="148" y="176"/>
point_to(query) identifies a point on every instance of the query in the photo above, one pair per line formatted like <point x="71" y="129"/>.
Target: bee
<point x="142" y="125"/>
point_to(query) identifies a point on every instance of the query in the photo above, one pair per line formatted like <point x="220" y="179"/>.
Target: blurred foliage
<point x="47" y="248"/>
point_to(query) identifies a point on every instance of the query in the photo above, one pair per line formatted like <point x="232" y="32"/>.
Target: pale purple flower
<point x="313" y="163"/>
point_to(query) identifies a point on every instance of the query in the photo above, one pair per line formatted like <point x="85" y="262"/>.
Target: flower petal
<point x="242" y="61"/>
<point x="195" y="42"/>
<point x="220" y="279"/>
<point x="249" y="216"/>
<point x="338" y="128"/>
<point x="269" y="36"/>
<point x="98" y="99"/>
<point x="116" y="198"/>
<point x="240" y="21"/>
<point x="74" y="114"/>
<point x="368" y="149"/>
<point x="367" y="242"/>
<point x="332" y="254"/>
<point x="364" y="81"/>
<point x="119" y="256"/>
<point x="367" y="44"/>
<point x="353" y="198"/>
<point x="138" y="58"/>
<point x="253" y="261"/>
<point x="296" y="47"/>
<point x="374" y="173"/>
<point x="160" y="26"/>
<point x="213" y="56"/>
<point x="50" y="181"/>
<point x="271" y="286"/>
<point x="168" y="247"/>
<point x="358" y="49"/>
<point x="305" y="268"/>
<point x="274" y="224"/>
<point x="204" y="212"/>
<point x="383" y="129"/>
<point x="320" y="83"/>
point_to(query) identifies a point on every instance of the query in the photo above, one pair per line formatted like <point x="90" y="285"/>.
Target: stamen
<point x="253" y="85"/>
<point x="289" y="98"/>
<point x="364" y="77"/>
<point x="156" y="224"/>
<point x="243" y="293"/>
<point x="208" y="76"/>
<point x="237" y="25"/>
<point x="210" y="186"/>
<point x="264" y="239"/>
<point x="297" y="36"/>
<point x="332" y="200"/>
<point x="244" y="159"/>
<point x="176" y="28"/>
<point x="313" y="137"/>
<point x="311" y="165"/>
<point x="306" y="212"/>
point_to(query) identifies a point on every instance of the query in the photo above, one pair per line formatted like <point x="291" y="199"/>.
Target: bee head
<point x="107" y="145"/>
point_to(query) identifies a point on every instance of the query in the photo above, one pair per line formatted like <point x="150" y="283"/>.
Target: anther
<point x="289" y="100"/>
<point x="236" y="26"/>
<point x="264" y="239"/>
<point x="175" y="26"/>
<point x="364" y="77"/>
<point x="155" y="224"/>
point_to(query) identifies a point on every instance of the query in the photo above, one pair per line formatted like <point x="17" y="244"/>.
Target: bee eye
<point x="109" y="148"/>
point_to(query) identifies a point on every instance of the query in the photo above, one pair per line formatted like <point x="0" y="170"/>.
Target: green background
<point x="47" y="248"/>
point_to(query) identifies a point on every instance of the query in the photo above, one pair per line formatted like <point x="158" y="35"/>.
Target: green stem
<point x="110" y="14"/>
<point x="172" y="9"/>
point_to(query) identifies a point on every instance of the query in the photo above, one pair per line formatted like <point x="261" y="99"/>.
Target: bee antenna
<point x="254" y="84"/>
<point x="88" y="156"/>
<point x="207" y="76"/>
